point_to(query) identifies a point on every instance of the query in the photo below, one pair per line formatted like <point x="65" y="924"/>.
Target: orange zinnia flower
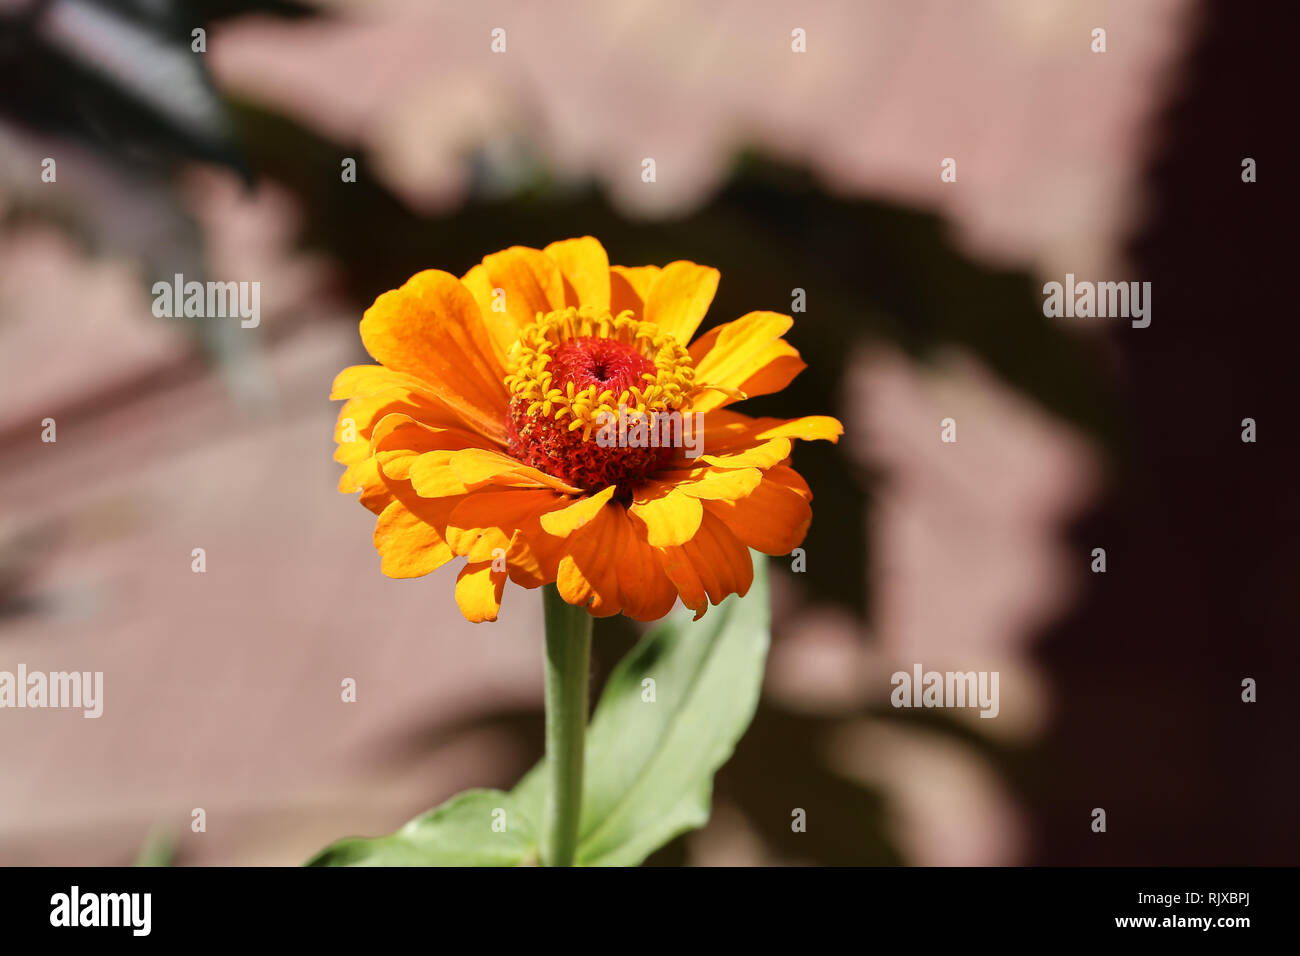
<point x="491" y="430"/>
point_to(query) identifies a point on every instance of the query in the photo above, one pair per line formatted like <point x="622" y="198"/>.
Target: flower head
<point x="546" y="417"/>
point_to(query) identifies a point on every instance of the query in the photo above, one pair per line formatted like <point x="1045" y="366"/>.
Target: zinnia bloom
<point x="479" y="433"/>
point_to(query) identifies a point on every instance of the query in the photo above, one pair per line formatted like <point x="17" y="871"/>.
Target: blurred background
<point x="219" y="155"/>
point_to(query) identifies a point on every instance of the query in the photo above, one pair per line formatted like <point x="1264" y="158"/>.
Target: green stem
<point x="568" y="661"/>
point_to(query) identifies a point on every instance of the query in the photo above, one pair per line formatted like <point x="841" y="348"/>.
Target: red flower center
<point x="605" y="363"/>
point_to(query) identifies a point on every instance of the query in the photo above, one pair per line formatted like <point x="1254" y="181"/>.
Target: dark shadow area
<point x="1201" y="529"/>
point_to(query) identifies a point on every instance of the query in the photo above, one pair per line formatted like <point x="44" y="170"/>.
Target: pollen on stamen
<point x="572" y="371"/>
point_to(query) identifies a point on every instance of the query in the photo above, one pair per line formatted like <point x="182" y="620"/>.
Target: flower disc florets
<point x="576" y="371"/>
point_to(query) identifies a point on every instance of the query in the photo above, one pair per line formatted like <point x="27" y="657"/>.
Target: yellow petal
<point x="358" y="380"/>
<point x="722" y="483"/>
<point x="680" y="297"/>
<point x="530" y="281"/>
<point x="746" y="355"/>
<point x="478" y="592"/>
<point x="808" y="428"/>
<point x="670" y="517"/>
<point x="585" y="267"/>
<point x="766" y="455"/>
<point x="431" y="475"/>
<point x="565" y="521"/>
<point x="476" y="466"/>
<point x="629" y="286"/>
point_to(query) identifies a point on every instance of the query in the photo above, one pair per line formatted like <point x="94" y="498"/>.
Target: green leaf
<point x="650" y="765"/>
<point x="459" y="832"/>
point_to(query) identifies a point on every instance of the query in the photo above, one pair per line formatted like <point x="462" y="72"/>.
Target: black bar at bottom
<point x="304" y="906"/>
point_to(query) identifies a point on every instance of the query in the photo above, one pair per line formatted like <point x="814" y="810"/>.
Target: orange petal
<point x="647" y="592"/>
<point x="748" y="355"/>
<point x="402" y="431"/>
<point x="533" y="558"/>
<point x="478" y="591"/>
<point x="360" y="416"/>
<point x="586" y="575"/>
<point x="398" y="441"/>
<point x="500" y="327"/>
<point x="488" y="519"/>
<point x="373" y="393"/>
<point x="726" y="431"/>
<point x="480" y="287"/>
<point x="629" y="287"/>
<point x="680" y="297"/>
<point x="365" y="477"/>
<point x="408" y="536"/>
<point x="774" y="518"/>
<point x="710" y="566"/>
<point x="431" y="328"/>
<point x="787" y="476"/>
<point x="585" y="267"/>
